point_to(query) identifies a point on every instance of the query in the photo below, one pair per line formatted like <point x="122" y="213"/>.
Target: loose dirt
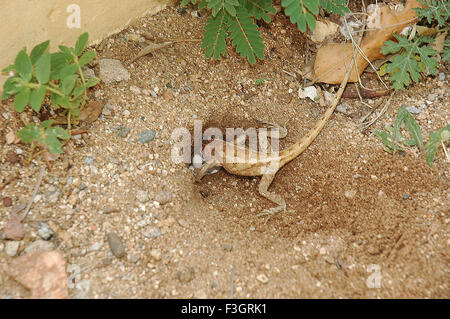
<point x="361" y="223"/>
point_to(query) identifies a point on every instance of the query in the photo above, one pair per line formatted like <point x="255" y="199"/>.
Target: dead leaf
<point x="439" y="40"/>
<point x="332" y="59"/>
<point x="14" y="228"/>
<point x="91" y="112"/>
<point x="44" y="273"/>
<point x="152" y="47"/>
<point x="323" y="30"/>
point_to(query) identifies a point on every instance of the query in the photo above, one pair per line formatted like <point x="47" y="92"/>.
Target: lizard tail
<point x="291" y="152"/>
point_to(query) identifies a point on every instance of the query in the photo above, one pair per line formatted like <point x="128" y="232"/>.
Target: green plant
<point x="236" y="19"/>
<point x="393" y="141"/>
<point x="44" y="135"/>
<point x="260" y="81"/>
<point x="414" y="54"/>
<point x="57" y="75"/>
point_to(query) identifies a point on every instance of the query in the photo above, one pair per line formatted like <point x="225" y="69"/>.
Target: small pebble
<point x="12" y="247"/>
<point x="147" y="136"/>
<point x="116" y="245"/>
<point x="7" y="201"/>
<point x="152" y="232"/>
<point x="142" y="196"/>
<point x="156" y="254"/>
<point x="262" y="278"/>
<point x="44" y="231"/>
<point x="406" y="196"/>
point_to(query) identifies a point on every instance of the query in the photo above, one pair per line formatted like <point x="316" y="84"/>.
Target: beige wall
<point x="29" y="22"/>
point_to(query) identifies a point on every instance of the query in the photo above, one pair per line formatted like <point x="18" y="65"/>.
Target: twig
<point x="36" y="187"/>
<point x="383" y="110"/>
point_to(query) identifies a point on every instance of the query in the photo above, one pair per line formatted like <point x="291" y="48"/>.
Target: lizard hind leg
<point x="264" y="184"/>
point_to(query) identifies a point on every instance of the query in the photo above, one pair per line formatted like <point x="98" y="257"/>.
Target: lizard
<point x="265" y="165"/>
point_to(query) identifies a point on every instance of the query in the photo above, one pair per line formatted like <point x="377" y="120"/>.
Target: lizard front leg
<point x="264" y="184"/>
<point x="205" y="168"/>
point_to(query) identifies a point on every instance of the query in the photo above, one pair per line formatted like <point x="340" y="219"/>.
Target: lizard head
<point x="212" y="157"/>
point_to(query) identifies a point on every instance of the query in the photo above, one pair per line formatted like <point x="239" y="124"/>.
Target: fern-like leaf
<point x="214" y="37"/>
<point x="434" y="10"/>
<point x="259" y="8"/>
<point x="301" y="12"/>
<point x="335" y="6"/>
<point x="245" y="36"/>
<point x="414" y="57"/>
<point x="220" y="5"/>
<point x="186" y="2"/>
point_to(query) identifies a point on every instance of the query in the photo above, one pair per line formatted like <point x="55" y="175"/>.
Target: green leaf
<point x="58" y="61"/>
<point x="79" y="90"/>
<point x="21" y="99"/>
<point x="68" y="52"/>
<point x="23" y="65"/>
<point x="38" y="51"/>
<point x="388" y="145"/>
<point x="434" y="11"/>
<point x="414" y="130"/>
<point x="29" y="133"/>
<point x="92" y="82"/>
<point x="68" y="83"/>
<point x="335" y="6"/>
<point x="69" y="69"/>
<point x="434" y="141"/>
<point x="43" y="68"/>
<point x="259" y="8"/>
<point x="53" y="144"/>
<point x="10" y="87"/>
<point x="37" y="97"/>
<point x="214" y="36"/>
<point x="46" y="123"/>
<point x="301" y="12"/>
<point x="245" y="36"/>
<point x="412" y="57"/>
<point x="86" y="58"/>
<point x="81" y="43"/>
<point x="58" y="132"/>
<point x="9" y="68"/>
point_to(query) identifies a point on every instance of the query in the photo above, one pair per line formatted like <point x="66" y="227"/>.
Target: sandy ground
<point x="360" y="222"/>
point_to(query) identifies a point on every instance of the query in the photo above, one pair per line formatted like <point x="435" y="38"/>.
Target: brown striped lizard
<point x="222" y="153"/>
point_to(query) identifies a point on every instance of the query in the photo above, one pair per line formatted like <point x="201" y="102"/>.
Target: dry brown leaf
<point x="91" y="112"/>
<point x="323" y="30"/>
<point x="332" y="59"/>
<point x="438" y="43"/>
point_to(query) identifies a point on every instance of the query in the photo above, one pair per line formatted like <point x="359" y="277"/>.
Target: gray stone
<point x="147" y="136"/>
<point x="112" y="70"/>
<point x="44" y="231"/>
<point x="441" y="76"/>
<point x="116" y="245"/>
<point x="152" y="232"/>
<point x="89" y="160"/>
<point x="342" y="108"/>
<point x="413" y="109"/>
